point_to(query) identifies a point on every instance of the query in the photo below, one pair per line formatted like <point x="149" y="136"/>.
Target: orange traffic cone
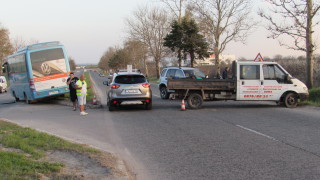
<point x="94" y="100"/>
<point x="183" y="106"/>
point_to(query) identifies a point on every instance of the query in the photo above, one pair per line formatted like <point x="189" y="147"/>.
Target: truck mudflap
<point x="303" y="96"/>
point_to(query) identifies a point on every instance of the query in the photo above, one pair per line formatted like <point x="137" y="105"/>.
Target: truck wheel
<point x="291" y="100"/>
<point x="195" y="101"/>
<point x="164" y="93"/>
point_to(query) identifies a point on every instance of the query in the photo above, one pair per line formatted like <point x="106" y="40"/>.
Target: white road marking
<point x="155" y="95"/>
<point x="256" y="132"/>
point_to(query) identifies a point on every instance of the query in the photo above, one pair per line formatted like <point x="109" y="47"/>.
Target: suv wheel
<point x="164" y="93"/>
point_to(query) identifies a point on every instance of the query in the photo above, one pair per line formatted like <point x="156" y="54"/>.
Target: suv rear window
<point x="130" y="79"/>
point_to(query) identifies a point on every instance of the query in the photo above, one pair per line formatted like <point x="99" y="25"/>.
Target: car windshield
<point x="194" y="72"/>
<point x="130" y="79"/>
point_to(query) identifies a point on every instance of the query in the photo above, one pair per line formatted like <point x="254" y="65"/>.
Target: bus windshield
<point x="48" y="62"/>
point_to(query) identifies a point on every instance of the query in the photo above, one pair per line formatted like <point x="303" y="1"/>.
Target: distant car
<point x="101" y="75"/>
<point x="3" y="84"/>
<point x="129" y="88"/>
<point x="176" y="72"/>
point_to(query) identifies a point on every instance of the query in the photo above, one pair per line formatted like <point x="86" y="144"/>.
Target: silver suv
<point x="129" y="88"/>
<point x="176" y="73"/>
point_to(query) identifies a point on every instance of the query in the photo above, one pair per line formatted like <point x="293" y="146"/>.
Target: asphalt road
<point x="223" y="140"/>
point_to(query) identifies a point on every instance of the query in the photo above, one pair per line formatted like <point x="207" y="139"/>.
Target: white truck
<point x="251" y="81"/>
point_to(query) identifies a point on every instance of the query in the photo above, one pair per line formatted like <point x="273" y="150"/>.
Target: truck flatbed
<point x="202" y="84"/>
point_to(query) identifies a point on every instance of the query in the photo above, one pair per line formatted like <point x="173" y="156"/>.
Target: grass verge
<point x="153" y="79"/>
<point x="314" y="97"/>
<point x="22" y="151"/>
<point x="90" y="91"/>
<point x="89" y="83"/>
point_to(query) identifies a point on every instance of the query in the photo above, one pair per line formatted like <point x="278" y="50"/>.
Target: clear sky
<point x="88" y="27"/>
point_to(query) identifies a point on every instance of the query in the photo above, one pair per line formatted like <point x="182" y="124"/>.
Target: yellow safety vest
<point x="80" y="86"/>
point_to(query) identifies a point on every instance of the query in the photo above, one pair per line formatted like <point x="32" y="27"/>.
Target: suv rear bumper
<point x="130" y="101"/>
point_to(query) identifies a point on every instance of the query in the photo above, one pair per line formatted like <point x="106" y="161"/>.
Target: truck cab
<point x="268" y="81"/>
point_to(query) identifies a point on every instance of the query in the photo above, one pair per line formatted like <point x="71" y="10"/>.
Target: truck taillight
<point x="115" y="86"/>
<point x="146" y="85"/>
<point x="32" y="86"/>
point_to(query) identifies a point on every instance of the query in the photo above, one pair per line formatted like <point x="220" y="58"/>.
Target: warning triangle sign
<point x="258" y="58"/>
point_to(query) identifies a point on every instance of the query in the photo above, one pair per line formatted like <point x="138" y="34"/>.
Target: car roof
<point x="127" y="73"/>
<point x="183" y="68"/>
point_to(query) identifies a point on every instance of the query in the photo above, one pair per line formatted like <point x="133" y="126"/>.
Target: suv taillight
<point x="115" y="86"/>
<point x="146" y="85"/>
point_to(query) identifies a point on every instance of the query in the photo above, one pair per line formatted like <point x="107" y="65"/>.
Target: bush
<point x="315" y="95"/>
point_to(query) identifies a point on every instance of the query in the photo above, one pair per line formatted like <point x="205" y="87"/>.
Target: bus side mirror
<point x="4" y="67"/>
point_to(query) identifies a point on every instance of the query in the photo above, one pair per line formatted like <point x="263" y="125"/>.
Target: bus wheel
<point x="195" y="101"/>
<point x="14" y="95"/>
<point x="291" y="100"/>
<point x="26" y="99"/>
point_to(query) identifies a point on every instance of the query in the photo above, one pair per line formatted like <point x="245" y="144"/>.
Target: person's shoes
<point x="74" y="109"/>
<point x="83" y="113"/>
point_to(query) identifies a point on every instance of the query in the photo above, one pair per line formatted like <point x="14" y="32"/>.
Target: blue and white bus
<point x="38" y="71"/>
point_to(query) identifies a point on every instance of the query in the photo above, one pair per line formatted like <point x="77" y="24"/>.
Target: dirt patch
<point x="79" y="166"/>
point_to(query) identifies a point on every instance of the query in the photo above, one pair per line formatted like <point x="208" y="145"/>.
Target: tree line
<point x="188" y="29"/>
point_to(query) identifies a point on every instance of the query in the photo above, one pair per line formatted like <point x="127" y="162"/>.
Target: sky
<point x="88" y="27"/>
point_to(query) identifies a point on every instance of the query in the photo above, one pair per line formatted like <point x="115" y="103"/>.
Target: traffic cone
<point x="94" y="101"/>
<point x="183" y="106"/>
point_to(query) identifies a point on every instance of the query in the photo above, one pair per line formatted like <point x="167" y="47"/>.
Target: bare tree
<point x="223" y="21"/>
<point x="296" y="21"/>
<point x="138" y="54"/>
<point x="17" y="43"/>
<point x="72" y="64"/>
<point x="150" y="26"/>
<point x="104" y="60"/>
<point x="5" y="45"/>
<point x="176" y="7"/>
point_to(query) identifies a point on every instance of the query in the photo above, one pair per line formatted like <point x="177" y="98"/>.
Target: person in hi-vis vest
<point x="81" y="87"/>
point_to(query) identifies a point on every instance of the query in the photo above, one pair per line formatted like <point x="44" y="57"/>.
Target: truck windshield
<point x="194" y="72"/>
<point x="130" y="79"/>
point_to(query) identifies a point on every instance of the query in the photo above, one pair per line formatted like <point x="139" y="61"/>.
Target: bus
<point x="38" y="71"/>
